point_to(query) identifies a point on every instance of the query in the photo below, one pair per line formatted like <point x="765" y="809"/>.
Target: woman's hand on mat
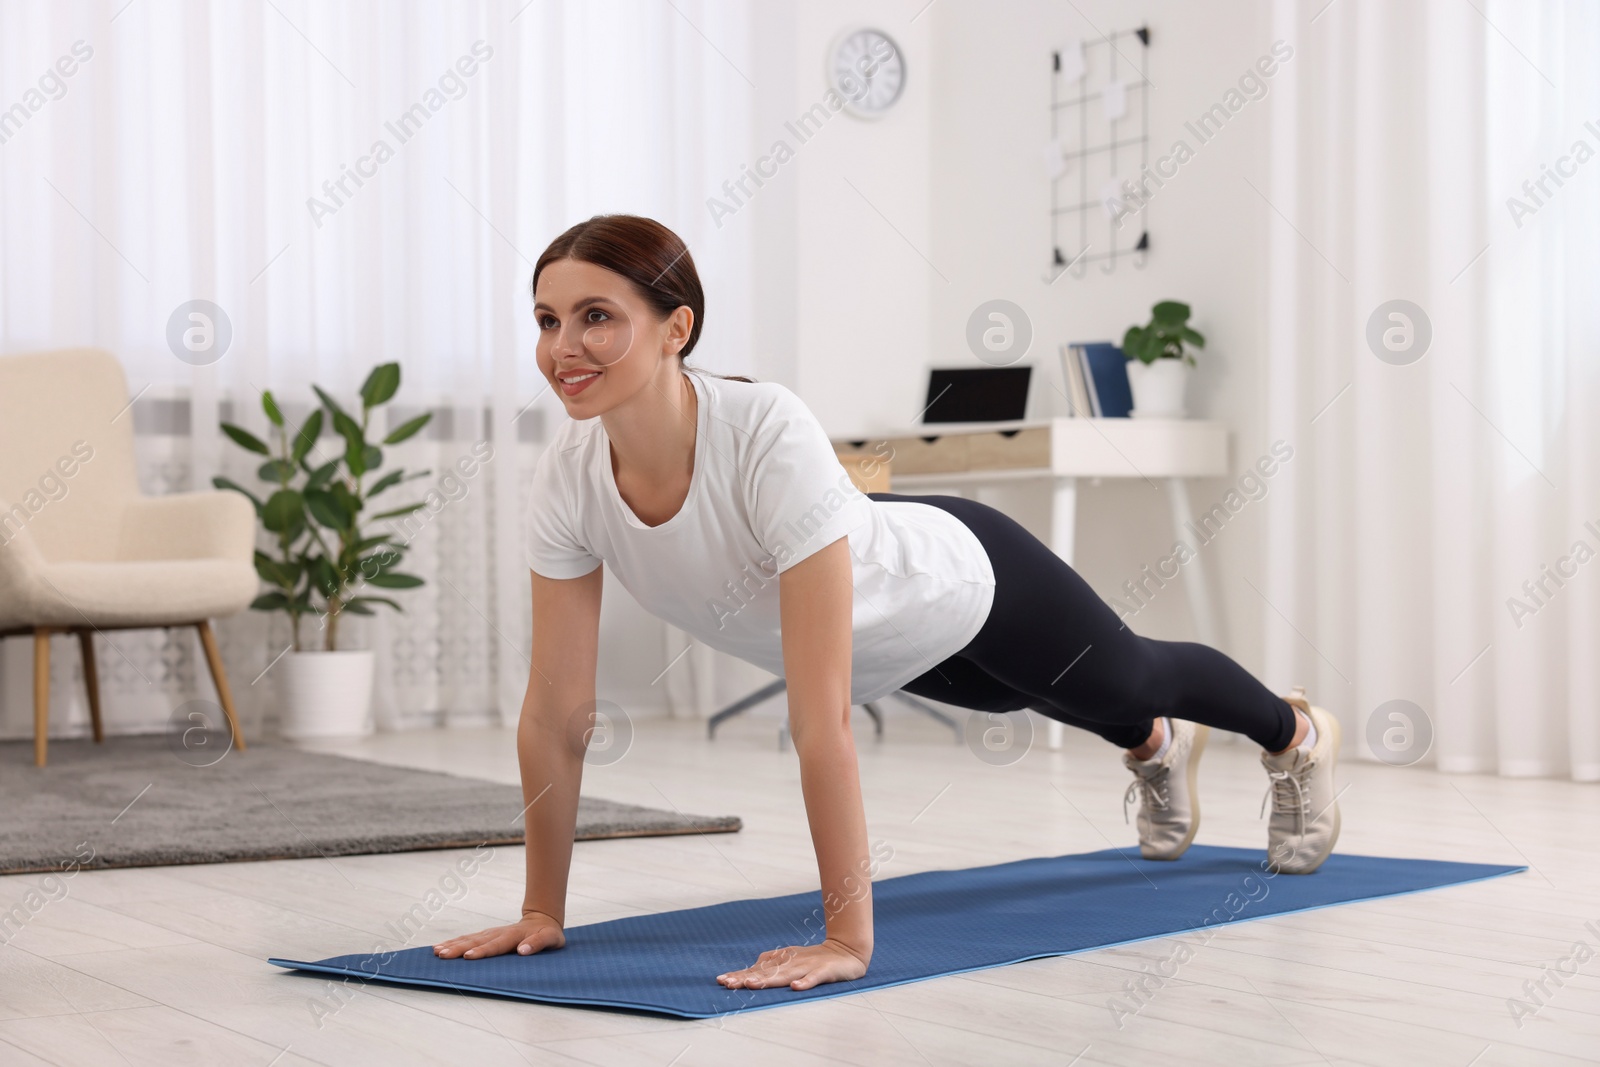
<point x="535" y="933"/>
<point x="800" y="967"/>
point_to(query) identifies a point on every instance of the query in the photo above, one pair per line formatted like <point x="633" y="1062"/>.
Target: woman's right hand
<point x="534" y="933"/>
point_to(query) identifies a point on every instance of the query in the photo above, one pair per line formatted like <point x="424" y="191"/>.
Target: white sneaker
<point x="1305" y="807"/>
<point x="1169" y="809"/>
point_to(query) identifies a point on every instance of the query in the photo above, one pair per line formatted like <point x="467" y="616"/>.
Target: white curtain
<point x="231" y="152"/>
<point x="1438" y="544"/>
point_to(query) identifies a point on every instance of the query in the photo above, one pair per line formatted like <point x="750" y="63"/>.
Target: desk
<point x="1059" y="451"/>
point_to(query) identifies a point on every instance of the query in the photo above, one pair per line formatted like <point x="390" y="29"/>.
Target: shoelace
<point x="1152" y="790"/>
<point x="1290" y="794"/>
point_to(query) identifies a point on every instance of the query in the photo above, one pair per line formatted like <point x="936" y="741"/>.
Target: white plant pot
<point x="325" y="694"/>
<point x="1158" y="388"/>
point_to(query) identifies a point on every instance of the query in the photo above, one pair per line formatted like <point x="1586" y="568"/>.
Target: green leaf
<point x="378" y="563"/>
<point x="1153" y="345"/>
<point x="323" y="576"/>
<point x="306" y="439"/>
<point x="374" y="600"/>
<point x="370" y="542"/>
<point x="278" y="572"/>
<point x="225" y="483"/>
<point x="245" y="439"/>
<point x="329" y="402"/>
<point x="372" y="458"/>
<point x="319" y="477"/>
<point x="348" y="428"/>
<point x="1170" y="311"/>
<point x="395" y="581"/>
<point x="355" y="443"/>
<point x="270" y="406"/>
<point x="327" y="508"/>
<point x="397" y="512"/>
<point x="346" y="498"/>
<point x="270" y="602"/>
<point x="276" y="470"/>
<point x="380" y="384"/>
<point x="1194" y="337"/>
<point x="385" y="482"/>
<point x="1133" y="343"/>
<point x="408" y="429"/>
<point x="265" y="565"/>
<point x="283" y="510"/>
<point x="357" y="607"/>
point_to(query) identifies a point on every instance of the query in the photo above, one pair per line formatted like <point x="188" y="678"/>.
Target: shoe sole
<point x="1335" y="732"/>
<point x="1191" y="772"/>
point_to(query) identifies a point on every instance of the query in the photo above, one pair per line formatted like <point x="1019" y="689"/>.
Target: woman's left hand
<point x="799" y="967"/>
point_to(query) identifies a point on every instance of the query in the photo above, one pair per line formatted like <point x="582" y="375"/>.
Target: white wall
<point x="842" y="311"/>
<point x="964" y="145"/>
<point x="990" y="198"/>
<point x="850" y="313"/>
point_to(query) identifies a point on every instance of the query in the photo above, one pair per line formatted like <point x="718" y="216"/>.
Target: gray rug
<point x="146" y="802"/>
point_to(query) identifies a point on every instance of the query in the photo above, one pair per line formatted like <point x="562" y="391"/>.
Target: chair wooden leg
<point x="219" y="676"/>
<point x="41" y="695"/>
<point x="91" y="682"/>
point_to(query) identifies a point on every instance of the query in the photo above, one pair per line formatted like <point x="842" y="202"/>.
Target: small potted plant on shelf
<point x="1159" y="361"/>
<point x="326" y="561"/>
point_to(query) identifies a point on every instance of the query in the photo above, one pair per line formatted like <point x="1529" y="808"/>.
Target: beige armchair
<point x="81" y="551"/>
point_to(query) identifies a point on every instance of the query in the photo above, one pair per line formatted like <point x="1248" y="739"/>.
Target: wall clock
<point x="866" y="67"/>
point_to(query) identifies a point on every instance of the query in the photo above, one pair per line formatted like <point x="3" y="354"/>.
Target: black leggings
<point x="1052" y="645"/>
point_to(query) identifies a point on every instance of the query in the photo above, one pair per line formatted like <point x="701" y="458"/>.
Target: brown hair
<point x="655" y="261"/>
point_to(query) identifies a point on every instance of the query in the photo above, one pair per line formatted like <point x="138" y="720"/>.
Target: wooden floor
<point x="167" y="965"/>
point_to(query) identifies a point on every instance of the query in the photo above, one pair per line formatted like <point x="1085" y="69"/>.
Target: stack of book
<point x="1096" y="377"/>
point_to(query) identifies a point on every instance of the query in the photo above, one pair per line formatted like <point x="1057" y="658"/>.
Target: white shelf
<point x="1076" y="448"/>
<point x="1135" y="448"/>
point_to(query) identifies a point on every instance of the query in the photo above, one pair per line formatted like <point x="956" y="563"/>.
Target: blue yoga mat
<point x="925" y="925"/>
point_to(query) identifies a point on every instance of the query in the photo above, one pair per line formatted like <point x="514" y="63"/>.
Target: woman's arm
<point x="815" y="601"/>
<point x="551" y="738"/>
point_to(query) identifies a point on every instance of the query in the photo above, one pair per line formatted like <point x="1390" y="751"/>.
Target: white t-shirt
<point x="766" y="492"/>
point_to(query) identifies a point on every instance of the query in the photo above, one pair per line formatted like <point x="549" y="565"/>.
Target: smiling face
<point x="600" y="342"/>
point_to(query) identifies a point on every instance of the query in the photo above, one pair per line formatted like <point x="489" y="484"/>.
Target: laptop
<point x="977" y="394"/>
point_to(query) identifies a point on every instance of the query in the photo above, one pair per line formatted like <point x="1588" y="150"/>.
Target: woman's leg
<point x="963" y="683"/>
<point x="1050" y="639"/>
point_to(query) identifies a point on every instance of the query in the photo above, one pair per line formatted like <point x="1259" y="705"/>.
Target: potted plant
<point x="326" y="561"/>
<point x="1159" y="362"/>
